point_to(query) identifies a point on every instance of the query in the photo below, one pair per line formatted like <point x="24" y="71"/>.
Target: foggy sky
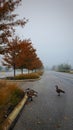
<point x="50" y="29"/>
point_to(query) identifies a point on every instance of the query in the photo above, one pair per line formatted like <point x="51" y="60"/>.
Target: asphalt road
<point x="48" y="111"/>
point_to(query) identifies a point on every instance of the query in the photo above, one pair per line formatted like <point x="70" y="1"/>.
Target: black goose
<point x="58" y="90"/>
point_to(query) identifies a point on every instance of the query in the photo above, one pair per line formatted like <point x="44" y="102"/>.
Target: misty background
<point x="50" y="28"/>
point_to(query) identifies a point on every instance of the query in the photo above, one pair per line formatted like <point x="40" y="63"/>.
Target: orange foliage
<point x="8" y="20"/>
<point x="21" y="54"/>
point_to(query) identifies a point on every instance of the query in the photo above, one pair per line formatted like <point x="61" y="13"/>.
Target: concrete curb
<point x="23" y="80"/>
<point x="11" y="118"/>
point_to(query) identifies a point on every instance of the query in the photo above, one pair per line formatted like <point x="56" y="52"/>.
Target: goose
<point x="58" y="90"/>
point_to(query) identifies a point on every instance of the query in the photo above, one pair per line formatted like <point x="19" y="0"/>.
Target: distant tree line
<point x="62" y="68"/>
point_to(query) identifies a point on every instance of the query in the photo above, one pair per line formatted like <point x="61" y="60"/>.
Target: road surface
<point x="48" y="111"/>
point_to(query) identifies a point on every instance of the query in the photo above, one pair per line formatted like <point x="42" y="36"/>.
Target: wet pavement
<point x="48" y="111"/>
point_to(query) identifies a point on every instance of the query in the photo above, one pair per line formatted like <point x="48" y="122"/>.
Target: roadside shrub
<point x="10" y="95"/>
<point x="40" y="73"/>
<point x="16" y="96"/>
<point x="27" y="76"/>
<point x="34" y="75"/>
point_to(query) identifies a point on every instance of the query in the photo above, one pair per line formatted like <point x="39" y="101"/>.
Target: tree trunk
<point x="28" y="71"/>
<point x="35" y="70"/>
<point x="22" y="71"/>
<point x="14" y="69"/>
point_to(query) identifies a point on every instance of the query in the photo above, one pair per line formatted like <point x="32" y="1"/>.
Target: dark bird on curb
<point x="58" y="90"/>
<point x="31" y="93"/>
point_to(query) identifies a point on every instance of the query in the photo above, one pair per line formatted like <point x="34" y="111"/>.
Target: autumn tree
<point x="21" y="55"/>
<point x="11" y="54"/>
<point x="8" y="20"/>
<point x="37" y="64"/>
<point x="27" y="54"/>
<point x="17" y="54"/>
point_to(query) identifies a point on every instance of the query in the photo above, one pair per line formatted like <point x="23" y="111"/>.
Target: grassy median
<point x="10" y="96"/>
<point x="34" y="75"/>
